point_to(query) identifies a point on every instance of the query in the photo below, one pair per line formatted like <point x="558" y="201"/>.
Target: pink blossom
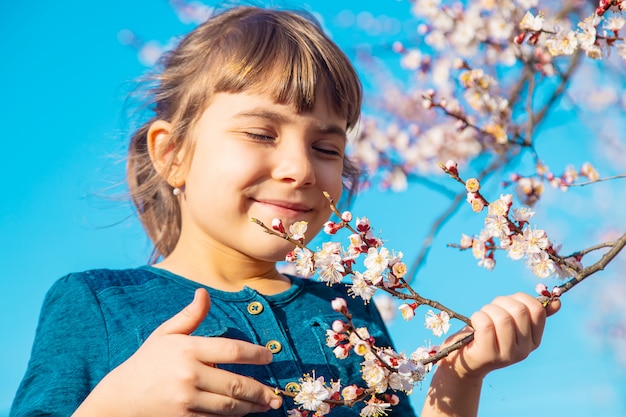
<point x="542" y="289"/>
<point x="330" y="228"/>
<point x="342" y="351"/>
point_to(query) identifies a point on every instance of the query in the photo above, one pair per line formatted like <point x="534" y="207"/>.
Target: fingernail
<point x="275" y="403"/>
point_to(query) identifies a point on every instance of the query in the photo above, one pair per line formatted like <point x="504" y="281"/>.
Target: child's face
<point x="256" y="158"/>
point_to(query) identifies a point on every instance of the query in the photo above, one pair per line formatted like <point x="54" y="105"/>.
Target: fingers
<point x="520" y="319"/>
<point x="510" y="327"/>
<point x="533" y="315"/>
<point x="189" y="318"/>
<point x="219" y="405"/>
<point x="216" y="350"/>
<point x="236" y="393"/>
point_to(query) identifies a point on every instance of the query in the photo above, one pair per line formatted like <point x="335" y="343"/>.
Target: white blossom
<point x="312" y="393"/>
<point x="438" y="323"/>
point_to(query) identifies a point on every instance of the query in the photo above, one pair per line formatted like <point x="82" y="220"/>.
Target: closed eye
<point x="326" y="151"/>
<point x="257" y="136"/>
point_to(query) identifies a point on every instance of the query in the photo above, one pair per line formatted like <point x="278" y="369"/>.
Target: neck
<point x="225" y="270"/>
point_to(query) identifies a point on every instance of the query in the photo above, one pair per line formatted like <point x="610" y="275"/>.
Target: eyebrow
<point x="281" y="118"/>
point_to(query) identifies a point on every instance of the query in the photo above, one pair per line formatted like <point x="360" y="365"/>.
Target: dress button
<point x="292" y="387"/>
<point x="274" y="346"/>
<point x="255" y="308"/>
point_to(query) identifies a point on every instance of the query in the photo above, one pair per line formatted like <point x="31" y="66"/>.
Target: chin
<point x="274" y="250"/>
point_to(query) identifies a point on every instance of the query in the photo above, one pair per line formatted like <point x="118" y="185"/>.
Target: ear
<point x="160" y="149"/>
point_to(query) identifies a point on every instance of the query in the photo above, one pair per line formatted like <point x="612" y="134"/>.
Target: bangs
<point x="290" y="59"/>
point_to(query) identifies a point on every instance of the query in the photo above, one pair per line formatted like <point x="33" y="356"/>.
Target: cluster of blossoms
<point x="411" y="141"/>
<point x="332" y="262"/>
<point x="382" y="369"/>
<point x="594" y="35"/>
<point x="530" y="188"/>
<point x="482" y="39"/>
<point x="512" y="229"/>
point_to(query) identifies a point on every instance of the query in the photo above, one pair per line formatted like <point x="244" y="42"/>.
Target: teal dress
<point x="93" y="321"/>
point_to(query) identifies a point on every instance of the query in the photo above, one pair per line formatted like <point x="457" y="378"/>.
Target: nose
<point x="294" y="165"/>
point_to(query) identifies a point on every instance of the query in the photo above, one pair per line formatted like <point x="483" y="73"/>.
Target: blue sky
<point x="65" y="78"/>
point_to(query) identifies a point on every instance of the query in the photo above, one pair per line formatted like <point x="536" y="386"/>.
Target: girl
<point x="251" y="112"/>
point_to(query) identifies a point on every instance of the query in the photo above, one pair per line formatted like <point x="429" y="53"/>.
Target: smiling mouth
<point x="288" y="208"/>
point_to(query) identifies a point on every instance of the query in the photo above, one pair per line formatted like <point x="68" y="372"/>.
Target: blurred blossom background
<point x="68" y="67"/>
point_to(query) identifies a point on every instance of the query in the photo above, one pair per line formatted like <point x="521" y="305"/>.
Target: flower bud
<point x="339" y="305"/>
<point x="346" y="216"/>
<point x="459" y="63"/>
<point x="451" y="167"/>
<point x="519" y="39"/>
<point x="277" y="224"/>
<point x="392" y="399"/>
<point x="330" y="228"/>
<point x="541" y="289"/>
<point x="339" y="326"/>
<point x="556" y="292"/>
<point x="362" y="224"/>
<point x="398" y="47"/>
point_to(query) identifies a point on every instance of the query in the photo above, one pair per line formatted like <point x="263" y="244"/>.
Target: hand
<point x="174" y="374"/>
<point x="505" y="332"/>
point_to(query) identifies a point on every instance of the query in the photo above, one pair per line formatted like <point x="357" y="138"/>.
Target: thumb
<point x="189" y="318"/>
<point x="553" y="306"/>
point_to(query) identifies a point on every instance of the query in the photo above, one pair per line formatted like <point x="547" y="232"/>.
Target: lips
<point x="289" y="208"/>
<point x="286" y="204"/>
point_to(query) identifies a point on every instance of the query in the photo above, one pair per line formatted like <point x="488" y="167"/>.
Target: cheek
<point x="332" y="181"/>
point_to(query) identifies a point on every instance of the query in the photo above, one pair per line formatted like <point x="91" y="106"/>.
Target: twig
<point x="582" y="184"/>
<point x="616" y="245"/>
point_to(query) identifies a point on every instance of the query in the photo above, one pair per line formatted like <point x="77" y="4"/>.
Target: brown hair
<point x="282" y="53"/>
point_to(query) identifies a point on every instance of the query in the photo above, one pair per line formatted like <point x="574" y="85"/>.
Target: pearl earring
<point x="176" y="191"/>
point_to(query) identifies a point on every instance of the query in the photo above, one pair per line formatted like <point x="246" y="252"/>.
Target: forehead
<point x="252" y="106"/>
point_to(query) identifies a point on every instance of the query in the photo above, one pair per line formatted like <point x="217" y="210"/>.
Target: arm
<point x="505" y="332"/>
<point x="62" y="367"/>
